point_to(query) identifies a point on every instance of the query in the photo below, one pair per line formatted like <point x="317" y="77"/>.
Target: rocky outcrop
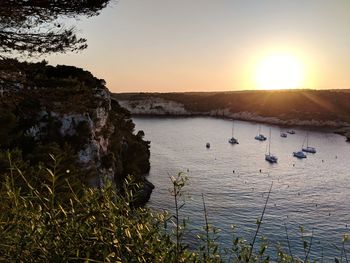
<point x="66" y="107"/>
<point x="345" y="131"/>
<point x="347" y="135"/>
<point x="154" y="106"/>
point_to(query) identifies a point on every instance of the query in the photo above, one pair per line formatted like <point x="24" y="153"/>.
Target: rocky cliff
<point x="45" y="109"/>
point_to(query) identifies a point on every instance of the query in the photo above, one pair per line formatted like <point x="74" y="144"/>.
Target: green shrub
<point x="97" y="225"/>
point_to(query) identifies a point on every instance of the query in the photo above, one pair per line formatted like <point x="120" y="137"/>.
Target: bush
<point x="98" y="225"/>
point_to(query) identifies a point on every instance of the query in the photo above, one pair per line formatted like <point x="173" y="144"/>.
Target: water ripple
<point x="312" y="192"/>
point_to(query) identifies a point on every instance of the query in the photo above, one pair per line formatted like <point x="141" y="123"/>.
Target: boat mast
<point x="269" y="141"/>
<point x="232" y="128"/>
<point x="305" y="139"/>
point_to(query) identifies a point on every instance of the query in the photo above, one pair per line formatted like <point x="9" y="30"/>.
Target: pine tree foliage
<point x="34" y="27"/>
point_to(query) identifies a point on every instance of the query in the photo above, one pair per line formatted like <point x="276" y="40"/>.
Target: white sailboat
<point x="300" y="154"/>
<point x="308" y="148"/>
<point x="259" y="136"/>
<point x="283" y="135"/>
<point x="233" y="140"/>
<point x="270" y="157"/>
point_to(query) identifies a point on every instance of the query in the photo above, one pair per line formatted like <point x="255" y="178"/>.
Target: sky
<point x="214" y="45"/>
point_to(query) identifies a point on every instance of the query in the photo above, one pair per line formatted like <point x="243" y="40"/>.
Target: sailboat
<point x="270" y="157"/>
<point x="300" y="154"/>
<point x="259" y="136"/>
<point x="233" y="140"/>
<point x="308" y="148"/>
<point x="283" y="135"/>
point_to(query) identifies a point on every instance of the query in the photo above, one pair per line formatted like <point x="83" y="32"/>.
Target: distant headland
<point x="316" y="109"/>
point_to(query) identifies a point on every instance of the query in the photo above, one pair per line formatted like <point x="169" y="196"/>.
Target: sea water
<point x="235" y="180"/>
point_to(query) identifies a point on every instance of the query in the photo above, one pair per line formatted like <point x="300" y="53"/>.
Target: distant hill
<point x="320" y="108"/>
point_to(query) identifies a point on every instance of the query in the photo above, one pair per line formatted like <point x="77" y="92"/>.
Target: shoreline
<point x="194" y="115"/>
<point x="343" y="131"/>
<point x="161" y="107"/>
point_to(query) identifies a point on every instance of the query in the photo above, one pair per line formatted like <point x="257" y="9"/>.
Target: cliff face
<point x="45" y="108"/>
<point x="155" y="106"/>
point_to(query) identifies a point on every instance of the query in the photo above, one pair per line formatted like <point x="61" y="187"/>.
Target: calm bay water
<point x="313" y="192"/>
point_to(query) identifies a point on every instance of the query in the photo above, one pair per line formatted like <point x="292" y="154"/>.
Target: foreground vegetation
<point x="55" y="220"/>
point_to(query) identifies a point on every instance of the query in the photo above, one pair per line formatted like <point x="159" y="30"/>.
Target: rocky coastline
<point x="160" y="107"/>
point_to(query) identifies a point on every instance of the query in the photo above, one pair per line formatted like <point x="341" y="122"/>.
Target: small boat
<point x="308" y="148"/>
<point x="291" y="132"/>
<point x="233" y="140"/>
<point x="259" y="136"/>
<point x="299" y="154"/>
<point x="283" y="135"/>
<point x="270" y="157"/>
<point x="207" y="145"/>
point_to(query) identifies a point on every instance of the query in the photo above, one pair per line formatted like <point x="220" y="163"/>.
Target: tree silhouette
<point x="34" y="27"/>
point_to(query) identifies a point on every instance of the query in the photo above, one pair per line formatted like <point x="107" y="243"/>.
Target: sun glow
<point x="279" y="71"/>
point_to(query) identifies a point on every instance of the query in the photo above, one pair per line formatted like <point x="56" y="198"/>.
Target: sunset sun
<point x="279" y="71"/>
